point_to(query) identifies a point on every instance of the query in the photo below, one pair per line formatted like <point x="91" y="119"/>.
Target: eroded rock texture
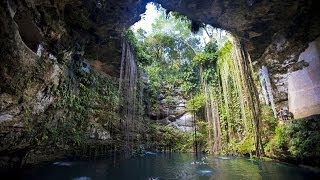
<point x="50" y="98"/>
<point x="304" y="83"/>
<point x="283" y="27"/>
<point x="172" y="109"/>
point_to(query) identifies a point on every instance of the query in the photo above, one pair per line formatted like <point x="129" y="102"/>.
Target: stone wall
<point x="304" y="84"/>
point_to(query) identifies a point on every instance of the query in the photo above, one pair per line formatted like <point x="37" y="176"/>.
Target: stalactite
<point x="263" y="87"/>
<point x="267" y="89"/>
<point x="40" y="50"/>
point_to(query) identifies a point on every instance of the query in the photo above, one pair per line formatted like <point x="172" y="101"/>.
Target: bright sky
<point x="152" y="13"/>
<point x="147" y="18"/>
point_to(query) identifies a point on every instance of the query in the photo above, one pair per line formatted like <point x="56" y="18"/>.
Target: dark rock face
<point x="277" y="29"/>
<point x="34" y="85"/>
<point x="274" y="33"/>
<point x="97" y="26"/>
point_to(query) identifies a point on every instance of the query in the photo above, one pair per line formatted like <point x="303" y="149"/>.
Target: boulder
<point x="185" y="120"/>
<point x="178" y="111"/>
<point x="171" y="118"/>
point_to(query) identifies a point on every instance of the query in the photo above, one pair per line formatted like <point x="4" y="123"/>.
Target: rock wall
<point x="98" y="25"/>
<point x="46" y="101"/>
<point x="171" y="110"/>
<point x="304" y="84"/>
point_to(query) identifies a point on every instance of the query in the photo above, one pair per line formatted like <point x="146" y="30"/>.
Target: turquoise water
<point x="166" y="166"/>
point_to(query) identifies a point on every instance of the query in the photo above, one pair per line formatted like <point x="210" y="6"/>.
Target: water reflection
<point x="82" y="178"/>
<point x="62" y="163"/>
<point x="205" y="172"/>
<point x="168" y="166"/>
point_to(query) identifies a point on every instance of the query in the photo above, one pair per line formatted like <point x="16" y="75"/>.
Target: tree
<point x="167" y="51"/>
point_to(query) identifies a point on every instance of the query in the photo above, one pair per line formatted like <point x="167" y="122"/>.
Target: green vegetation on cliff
<point x="297" y="141"/>
<point x="221" y="87"/>
<point x="85" y="100"/>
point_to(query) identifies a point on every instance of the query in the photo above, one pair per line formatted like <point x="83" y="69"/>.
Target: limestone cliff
<point x="171" y="109"/>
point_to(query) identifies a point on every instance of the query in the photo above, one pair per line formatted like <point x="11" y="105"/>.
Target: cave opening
<point x="193" y="72"/>
<point x="170" y="83"/>
<point x="201" y="81"/>
<point x="29" y="31"/>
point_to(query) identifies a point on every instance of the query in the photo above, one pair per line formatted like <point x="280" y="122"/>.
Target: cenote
<point x="127" y="89"/>
<point x="166" y="166"/>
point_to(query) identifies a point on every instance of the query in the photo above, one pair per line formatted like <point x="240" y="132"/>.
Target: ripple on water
<point x="62" y="163"/>
<point x="152" y="178"/>
<point x="205" y="172"/>
<point x="169" y="166"/>
<point x="198" y="163"/>
<point x="224" y="157"/>
<point x="195" y="162"/>
<point x="82" y="178"/>
<point x="150" y="153"/>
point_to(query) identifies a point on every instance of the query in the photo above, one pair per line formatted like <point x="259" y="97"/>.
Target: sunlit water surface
<point x="166" y="166"/>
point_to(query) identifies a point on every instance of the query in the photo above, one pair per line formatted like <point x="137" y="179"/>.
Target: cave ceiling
<point x="98" y="25"/>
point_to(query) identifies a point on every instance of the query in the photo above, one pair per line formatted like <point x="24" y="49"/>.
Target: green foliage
<point x="172" y="56"/>
<point x="202" y="136"/>
<point x="224" y="52"/>
<point x="234" y="119"/>
<point x="196" y="102"/>
<point x="298" y="140"/>
<point x="211" y="47"/>
<point x="131" y="38"/>
<point x="305" y="138"/>
<point x="190" y="77"/>
<point x="247" y="146"/>
<point x="280" y="137"/>
<point x="166" y="138"/>
<point x="278" y="145"/>
<point x="269" y="123"/>
<point x="166" y="53"/>
<point x="207" y="61"/>
<point x="279" y="141"/>
<point x="204" y="58"/>
<point x="89" y="96"/>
